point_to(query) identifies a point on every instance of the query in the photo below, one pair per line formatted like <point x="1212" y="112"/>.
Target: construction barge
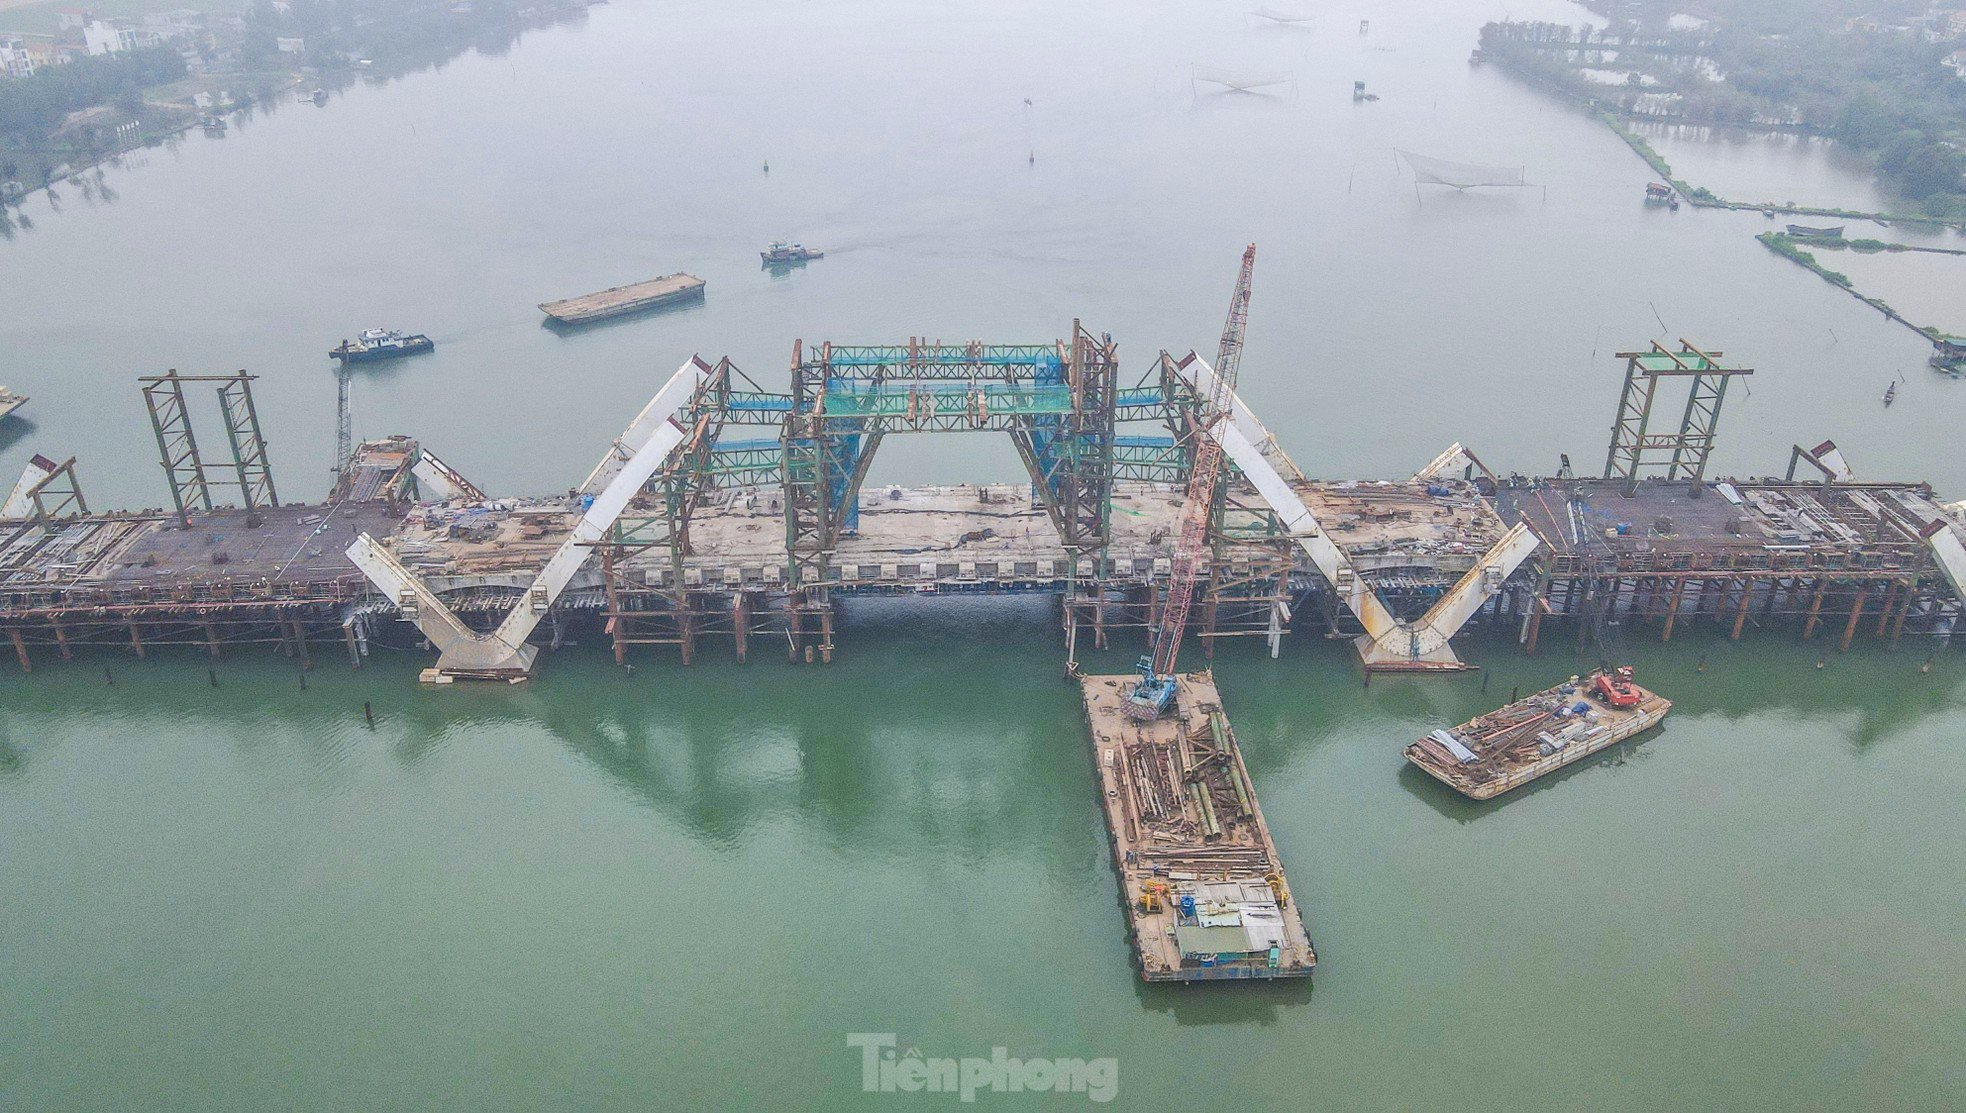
<point x="617" y="301"/>
<point x="1204" y="889"/>
<point x="1515" y="744"/>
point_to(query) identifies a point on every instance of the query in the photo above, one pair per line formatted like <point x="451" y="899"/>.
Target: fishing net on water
<point x="1240" y="82"/>
<point x="1461" y="175"/>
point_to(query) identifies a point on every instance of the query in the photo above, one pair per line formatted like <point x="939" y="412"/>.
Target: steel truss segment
<point x="177" y="444"/>
<point x="242" y="432"/>
<point x="1680" y="455"/>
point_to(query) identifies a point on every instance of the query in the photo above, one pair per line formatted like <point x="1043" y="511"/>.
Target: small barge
<point x="9" y="401"/>
<point x="616" y="301"/>
<point x="1810" y="232"/>
<point x="379" y="344"/>
<point x="1513" y="745"/>
<point x="1205" y="894"/>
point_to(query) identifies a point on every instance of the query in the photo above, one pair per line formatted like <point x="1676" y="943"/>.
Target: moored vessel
<point x="1521" y="741"/>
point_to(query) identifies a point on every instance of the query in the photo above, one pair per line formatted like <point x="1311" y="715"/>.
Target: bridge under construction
<point x="729" y="511"/>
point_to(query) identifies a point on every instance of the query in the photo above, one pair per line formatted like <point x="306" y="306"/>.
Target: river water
<point x="686" y="888"/>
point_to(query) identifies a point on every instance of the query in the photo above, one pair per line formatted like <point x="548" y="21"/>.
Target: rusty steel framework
<point x="1833" y="555"/>
<point x="185" y="469"/>
<point x="1062" y="407"/>
<point x="1881" y="561"/>
<point x="58" y="493"/>
<point x="1685" y="451"/>
<point x="1248" y="587"/>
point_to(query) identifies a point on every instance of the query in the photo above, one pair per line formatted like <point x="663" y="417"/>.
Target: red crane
<point x="1155" y="692"/>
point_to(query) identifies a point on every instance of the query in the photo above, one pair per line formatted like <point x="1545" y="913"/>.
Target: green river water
<point x="687" y="889"/>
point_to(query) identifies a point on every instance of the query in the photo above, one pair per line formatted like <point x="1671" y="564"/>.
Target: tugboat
<point x="381" y="343"/>
<point x="780" y="253"/>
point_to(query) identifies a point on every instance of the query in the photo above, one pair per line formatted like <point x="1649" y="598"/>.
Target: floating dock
<point x="1515" y="744"/>
<point x="1205" y="894"/>
<point x="9" y="401"/>
<point x="616" y="301"/>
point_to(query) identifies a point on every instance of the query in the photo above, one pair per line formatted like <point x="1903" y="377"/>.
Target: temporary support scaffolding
<point x="1855" y="557"/>
<point x="235" y="400"/>
<point x="1633" y="448"/>
<point x="185" y="470"/>
<point x="1061" y="407"/>
<point x="177" y="444"/>
<point x="1055" y="400"/>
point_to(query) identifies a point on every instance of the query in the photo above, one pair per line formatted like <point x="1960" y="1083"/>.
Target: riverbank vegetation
<point x="75" y="115"/>
<point x="72" y="113"/>
<point x="1786" y="246"/>
<point x="389" y="34"/>
<point x="1826" y="67"/>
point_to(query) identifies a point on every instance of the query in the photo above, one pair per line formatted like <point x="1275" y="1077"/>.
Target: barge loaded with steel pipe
<point x="1517" y="743"/>
<point x="1204" y="890"/>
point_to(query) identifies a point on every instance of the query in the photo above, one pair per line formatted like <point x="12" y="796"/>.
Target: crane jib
<point x="1156" y="685"/>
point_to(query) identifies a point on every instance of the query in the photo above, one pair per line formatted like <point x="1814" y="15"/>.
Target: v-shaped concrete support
<point x="504" y="653"/>
<point x="1387" y="643"/>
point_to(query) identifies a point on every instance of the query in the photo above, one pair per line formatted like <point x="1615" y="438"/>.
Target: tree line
<point x="32" y="108"/>
<point x="1781" y="63"/>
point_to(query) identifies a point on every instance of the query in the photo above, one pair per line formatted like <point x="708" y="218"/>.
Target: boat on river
<point x="1809" y="232"/>
<point x="379" y="344"/>
<point x="616" y="301"/>
<point x="780" y="253"/>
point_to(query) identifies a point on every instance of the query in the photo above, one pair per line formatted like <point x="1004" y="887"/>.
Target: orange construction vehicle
<point x="1615" y="688"/>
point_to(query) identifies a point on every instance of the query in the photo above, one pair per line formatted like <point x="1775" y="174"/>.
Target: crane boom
<point x="1156" y="690"/>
